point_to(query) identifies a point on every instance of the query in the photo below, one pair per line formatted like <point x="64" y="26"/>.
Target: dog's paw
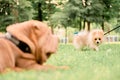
<point x="96" y="49"/>
<point x="64" y="67"/>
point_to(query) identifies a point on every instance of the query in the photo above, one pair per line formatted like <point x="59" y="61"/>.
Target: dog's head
<point x="97" y="36"/>
<point x="37" y="36"/>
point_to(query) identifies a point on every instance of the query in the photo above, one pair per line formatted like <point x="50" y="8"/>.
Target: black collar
<point x="20" y="44"/>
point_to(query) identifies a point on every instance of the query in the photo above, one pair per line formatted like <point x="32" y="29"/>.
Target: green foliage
<point x="83" y="65"/>
<point x="47" y="8"/>
<point x="5" y="21"/>
<point x="72" y="13"/>
<point x="94" y="11"/>
<point x="13" y="11"/>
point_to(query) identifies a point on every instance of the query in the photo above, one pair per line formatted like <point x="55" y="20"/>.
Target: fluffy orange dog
<point x="91" y="39"/>
<point x="27" y="45"/>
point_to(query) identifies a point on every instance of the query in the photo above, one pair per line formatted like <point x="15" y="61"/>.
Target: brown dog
<point x="27" y="45"/>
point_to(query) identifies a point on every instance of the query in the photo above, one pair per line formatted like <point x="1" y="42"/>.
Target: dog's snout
<point x="97" y="42"/>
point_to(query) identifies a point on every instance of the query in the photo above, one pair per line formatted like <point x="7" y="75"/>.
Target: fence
<point x="112" y="38"/>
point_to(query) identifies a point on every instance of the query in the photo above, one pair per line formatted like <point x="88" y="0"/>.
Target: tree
<point x="111" y="10"/>
<point x="42" y="9"/>
<point x="91" y="11"/>
<point x="13" y="11"/>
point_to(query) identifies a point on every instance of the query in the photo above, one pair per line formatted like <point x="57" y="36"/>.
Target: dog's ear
<point x="28" y="32"/>
<point x="35" y="26"/>
<point x="22" y="31"/>
<point x="39" y="26"/>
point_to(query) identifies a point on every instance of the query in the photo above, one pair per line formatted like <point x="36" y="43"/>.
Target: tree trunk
<point x="88" y="25"/>
<point x="80" y="25"/>
<point x="15" y="13"/>
<point x="52" y="29"/>
<point x="84" y="25"/>
<point x="39" y="12"/>
<point x="66" y="35"/>
<point x="102" y="23"/>
<point x="102" y="26"/>
<point x="49" y="11"/>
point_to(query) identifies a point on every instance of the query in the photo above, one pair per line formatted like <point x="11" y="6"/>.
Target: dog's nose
<point x="97" y="42"/>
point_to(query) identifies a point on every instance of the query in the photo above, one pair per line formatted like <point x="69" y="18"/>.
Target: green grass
<point x="83" y="65"/>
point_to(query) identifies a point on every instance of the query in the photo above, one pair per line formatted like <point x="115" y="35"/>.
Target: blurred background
<point x="65" y="17"/>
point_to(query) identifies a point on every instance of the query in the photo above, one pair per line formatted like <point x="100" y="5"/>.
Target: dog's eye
<point x="48" y="54"/>
<point x="95" y="38"/>
<point x="99" y="38"/>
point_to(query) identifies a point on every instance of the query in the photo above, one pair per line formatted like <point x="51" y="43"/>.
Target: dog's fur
<point x="37" y="36"/>
<point x="91" y="39"/>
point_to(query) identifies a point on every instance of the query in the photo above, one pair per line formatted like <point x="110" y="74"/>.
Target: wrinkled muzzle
<point x="48" y="48"/>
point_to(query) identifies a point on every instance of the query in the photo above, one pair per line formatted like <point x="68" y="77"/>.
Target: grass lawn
<point x="83" y="65"/>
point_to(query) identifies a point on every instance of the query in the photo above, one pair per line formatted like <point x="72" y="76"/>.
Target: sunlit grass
<point x="83" y="65"/>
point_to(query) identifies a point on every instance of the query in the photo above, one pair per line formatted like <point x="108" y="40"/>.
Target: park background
<point x="66" y="18"/>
